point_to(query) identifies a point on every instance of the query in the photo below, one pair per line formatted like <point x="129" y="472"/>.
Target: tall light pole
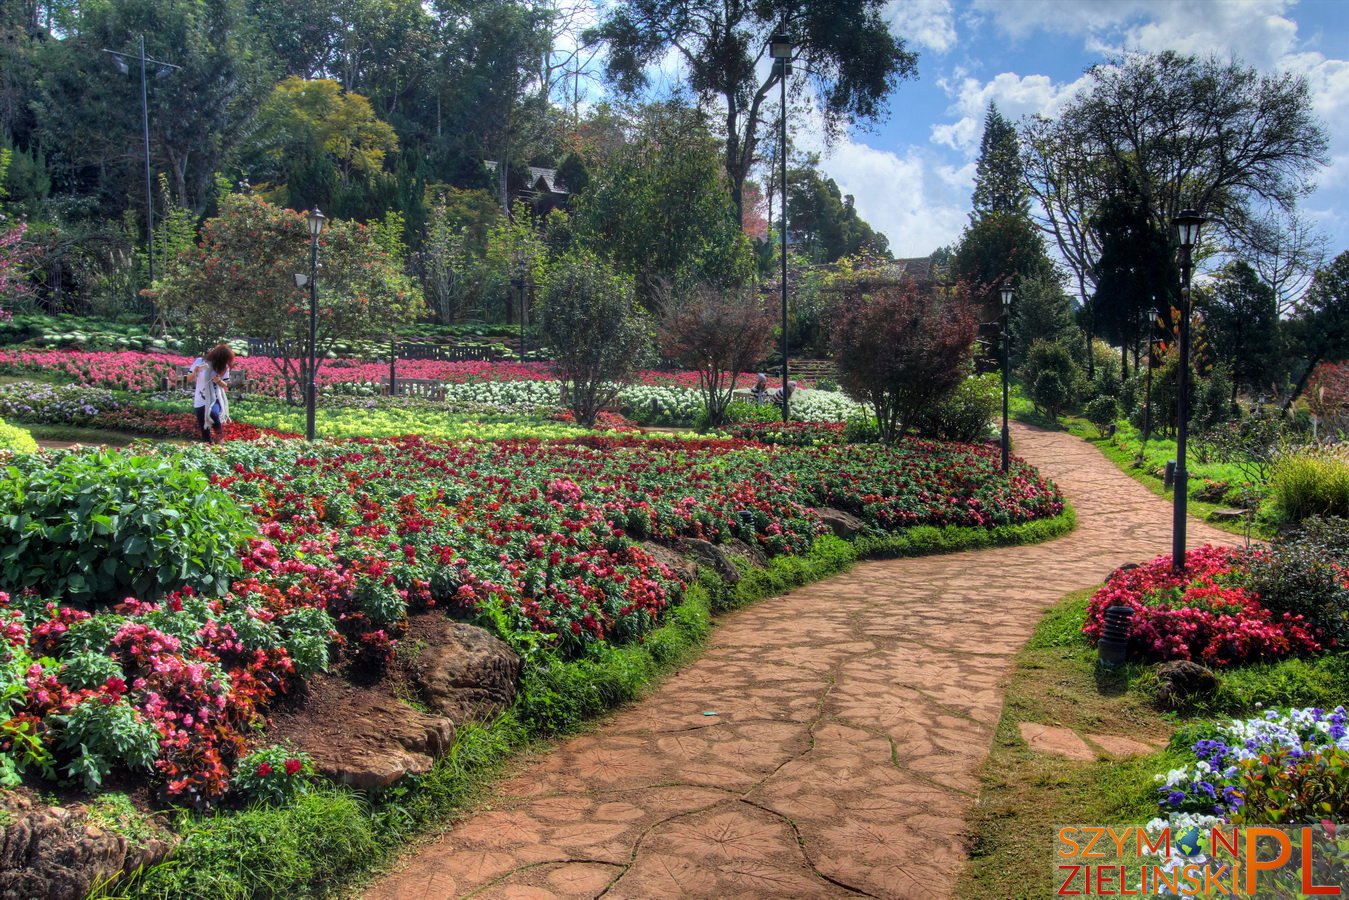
<point x="780" y="48"/>
<point x="518" y="282"/>
<point x="316" y="219"/>
<point x="122" y="61"/>
<point x="1006" y="291"/>
<point x="1188" y="224"/>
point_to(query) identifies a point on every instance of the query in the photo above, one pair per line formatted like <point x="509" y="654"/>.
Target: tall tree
<point x="1000" y="174"/>
<point x="660" y="208"/>
<point x="1241" y="325"/>
<point x="824" y="222"/>
<point x="1135" y="274"/>
<point x="89" y="114"/>
<point x="1319" y="330"/>
<point x="1001" y="243"/>
<point x="1179" y="131"/>
<point x="1285" y="250"/>
<point x="844" y="51"/>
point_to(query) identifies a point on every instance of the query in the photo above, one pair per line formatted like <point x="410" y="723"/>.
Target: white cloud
<point x="1015" y="95"/>
<point x="927" y="24"/>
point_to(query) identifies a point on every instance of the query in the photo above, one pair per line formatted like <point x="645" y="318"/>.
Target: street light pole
<point x="120" y="60"/>
<point x="1188" y="224"/>
<point x="315" y="220"/>
<point x="1006" y="291"/>
<point x="780" y="47"/>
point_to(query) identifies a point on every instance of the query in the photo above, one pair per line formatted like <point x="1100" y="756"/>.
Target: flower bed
<point x="1231" y="764"/>
<point x="1206" y="614"/>
<point x="540" y="539"/>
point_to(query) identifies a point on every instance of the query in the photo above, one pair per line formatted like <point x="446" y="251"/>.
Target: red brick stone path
<point x="828" y="742"/>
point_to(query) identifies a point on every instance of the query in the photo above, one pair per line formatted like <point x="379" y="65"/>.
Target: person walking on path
<point x="210" y="398"/>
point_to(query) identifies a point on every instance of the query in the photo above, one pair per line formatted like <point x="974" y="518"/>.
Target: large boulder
<point x="712" y="556"/>
<point x="463" y="672"/>
<point x="363" y="736"/>
<point x="1181" y="682"/>
<point x="58" y="854"/>
<point x="683" y="567"/>
<point x="841" y="523"/>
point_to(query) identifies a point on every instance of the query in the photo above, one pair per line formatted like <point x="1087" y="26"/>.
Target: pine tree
<point x="1000" y="176"/>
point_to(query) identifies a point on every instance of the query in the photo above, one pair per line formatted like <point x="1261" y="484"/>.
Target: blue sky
<point x="912" y="174"/>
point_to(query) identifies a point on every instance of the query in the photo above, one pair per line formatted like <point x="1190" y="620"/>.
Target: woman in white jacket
<point x="210" y="401"/>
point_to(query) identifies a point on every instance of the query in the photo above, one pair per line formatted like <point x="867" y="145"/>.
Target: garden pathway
<point x="827" y="743"/>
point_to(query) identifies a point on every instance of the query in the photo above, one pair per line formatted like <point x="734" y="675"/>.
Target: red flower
<point x="264" y="770"/>
<point x="293" y="766"/>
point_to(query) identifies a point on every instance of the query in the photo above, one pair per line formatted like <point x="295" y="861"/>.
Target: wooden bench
<point x="425" y="388"/>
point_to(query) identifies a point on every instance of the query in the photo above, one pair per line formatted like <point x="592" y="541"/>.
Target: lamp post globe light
<point x="1188" y="224"/>
<point x="1006" y="291"/>
<point x="316" y="219"/>
<point x="781" y="49"/>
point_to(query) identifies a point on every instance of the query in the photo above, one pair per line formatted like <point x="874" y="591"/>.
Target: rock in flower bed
<point x="541" y="540"/>
<point x="1209" y="613"/>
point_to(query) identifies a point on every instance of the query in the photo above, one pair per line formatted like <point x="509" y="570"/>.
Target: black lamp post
<point x="780" y="48"/>
<point x="1006" y="291"/>
<point x="123" y="61"/>
<point x="1188" y="224"/>
<point x="316" y="219"/>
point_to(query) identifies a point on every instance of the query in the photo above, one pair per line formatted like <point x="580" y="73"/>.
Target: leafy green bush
<point x="1307" y="484"/>
<point x="1102" y="412"/>
<point x="739" y="413"/>
<point x="1303" y="575"/>
<point x="1052" y="375"/>
<point x="99" y="527"/>
<point x="17" y="439"/>
<point x="272" y="776"/>
<point x="861" y="429"/>
<point x="967" y="413"/>
<point x="99" y="735"/>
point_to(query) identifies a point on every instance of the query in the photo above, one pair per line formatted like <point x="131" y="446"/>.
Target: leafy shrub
<point x="17" y="439"/>
<point x="1310" y="484"/>
<point x="50" y="404"/>
<point x="861" y="429"/>
<point x="1205" y="613"/>
<point x="272" y="776"/>
<point x="1102" y="412"/>
<point x="902" y="351"/>
<point x="1052" y="375"/>
<point x="89" y="670"/>
<point x="967" y="413"/>
<point x="1304" y="574"/>
<point x="743" y="413"/>
<point x="1252" y="444"/>
<point x="99" y="734"/>
<point x="307" y="632"/>
<point x="99" y="527"/>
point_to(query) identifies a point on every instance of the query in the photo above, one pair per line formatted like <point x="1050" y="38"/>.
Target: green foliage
<point x="99" y="527"/>
<point x="27" y="752"/>
<point x="1042" y="311"/>
<point x="660" y="208"/>
<point x="967" y="413"/>
<point x="1102" y="412"/>
<point x="97" y="735"/>
<point x="1310" y="484"/>
<point x="596" y="330"/>
<point x="1052" y="375"/>
<point x="1280" y="788"/>
<point x="825" y="225"/>
<point x="380" y="601"/>
<point x="268" y="852"/>
<point x="16" y="439"/>
<point x="1303" y="575"/>
<point x="306" y="633"/>
<point x="239" y="282"/>
<point x="1000" y="175"/>
<point x="272" y="776"/>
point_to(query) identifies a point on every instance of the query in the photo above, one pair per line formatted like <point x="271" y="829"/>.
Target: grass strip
<point x="334" y="837"/>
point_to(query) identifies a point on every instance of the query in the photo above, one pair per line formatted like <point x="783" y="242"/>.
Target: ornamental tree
<point x="598" y="333"/>
<point x="719" y="334"/>
<point x="240" y="280"/>
<point x="902" y="350"/>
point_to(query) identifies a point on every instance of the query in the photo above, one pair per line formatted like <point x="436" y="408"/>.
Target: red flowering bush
<point x="1206" y="613"/>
